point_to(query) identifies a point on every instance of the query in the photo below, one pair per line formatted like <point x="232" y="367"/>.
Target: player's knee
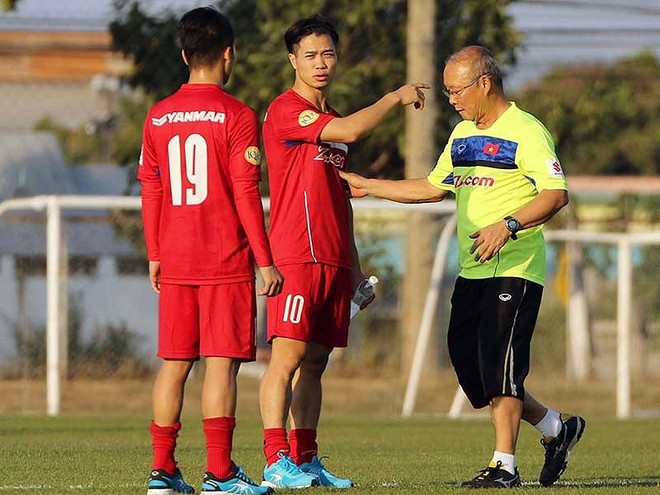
<point x="314" y="365"/>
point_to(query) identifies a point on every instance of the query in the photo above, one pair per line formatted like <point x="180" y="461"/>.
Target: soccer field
<point x="422" y="455"/>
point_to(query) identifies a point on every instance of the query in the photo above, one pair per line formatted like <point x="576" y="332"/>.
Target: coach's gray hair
<point x="483" y="62"/>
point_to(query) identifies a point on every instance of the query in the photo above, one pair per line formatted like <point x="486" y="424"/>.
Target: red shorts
<point x="314" y="305"/>
<point x="207" y="320"/>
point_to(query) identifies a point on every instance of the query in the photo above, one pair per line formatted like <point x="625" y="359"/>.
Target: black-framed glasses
<point x="457" y="92"/>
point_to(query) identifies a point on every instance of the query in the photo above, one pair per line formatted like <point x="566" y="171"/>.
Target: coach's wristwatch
<point x="513" y="225"/>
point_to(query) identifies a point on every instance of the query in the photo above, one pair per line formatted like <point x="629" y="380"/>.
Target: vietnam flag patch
<point x="491" y="149"/>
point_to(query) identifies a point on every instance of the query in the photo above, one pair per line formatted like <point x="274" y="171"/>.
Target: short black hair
<point x="316" y="24"/>
<point x="203" y="34"/>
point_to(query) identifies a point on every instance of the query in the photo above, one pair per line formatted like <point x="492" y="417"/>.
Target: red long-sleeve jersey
<point x="199" y="170"/>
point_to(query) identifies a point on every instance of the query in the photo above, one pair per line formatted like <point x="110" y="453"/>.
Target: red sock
<point x="274" y="443"/>
<point x="163" y="443"/>
<point x="219" y="433"/>
<point x="303" y="445"/>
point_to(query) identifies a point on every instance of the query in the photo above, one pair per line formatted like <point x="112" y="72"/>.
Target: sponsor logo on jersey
<point x="491" y="149"/>
<point x="473" y="181"/>
<point x="192" y="116"/>
<point x="505" y="297"/>
<point x="554" y="168"/>
<point x="253" y="155"/>
<point x="333" y="154"/>
<point x="307" y="117"/>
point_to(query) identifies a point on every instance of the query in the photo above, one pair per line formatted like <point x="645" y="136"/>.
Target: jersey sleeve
<point x="294" y="121"/>
<point x="538" y="161"/>
<point x="151" y="192"/>
<point x="245" y="173"/>
<point x="442" y="175"/>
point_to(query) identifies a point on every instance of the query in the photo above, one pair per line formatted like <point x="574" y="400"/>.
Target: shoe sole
<point x="286" y="487"/>
<point x="269" y="492"/>
<point x="582" y="425"/>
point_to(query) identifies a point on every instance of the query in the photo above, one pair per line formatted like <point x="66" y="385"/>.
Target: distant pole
<point x="420" y="154"/>
<point x="53" y="268"/>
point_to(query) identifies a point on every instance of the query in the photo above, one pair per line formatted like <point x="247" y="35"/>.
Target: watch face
<point x="512" y="224"/>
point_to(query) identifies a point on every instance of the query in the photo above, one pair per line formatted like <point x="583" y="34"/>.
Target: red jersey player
<point x="204" y="227"/>
<point x="312" y="241"/>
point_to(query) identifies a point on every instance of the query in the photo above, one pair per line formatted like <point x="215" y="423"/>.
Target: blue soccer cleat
<point x="162" y="483"/>
<point x="326" y="478"/>
<point x="239" y="482"/>
<point x="285" y="474"/>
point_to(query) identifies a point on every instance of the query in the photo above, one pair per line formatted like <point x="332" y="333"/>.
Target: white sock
<point x="508" y="461"/>
<point x="550" y="425"/>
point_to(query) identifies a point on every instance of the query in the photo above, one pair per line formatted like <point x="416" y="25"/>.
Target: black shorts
<point x="489" y="336"/>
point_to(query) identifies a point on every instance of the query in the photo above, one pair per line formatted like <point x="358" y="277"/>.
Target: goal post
<point x="54" y="206"/>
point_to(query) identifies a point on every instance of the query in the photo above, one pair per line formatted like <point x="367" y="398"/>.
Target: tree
<point x="605" y="118"/>
<point x="8" y="5"/>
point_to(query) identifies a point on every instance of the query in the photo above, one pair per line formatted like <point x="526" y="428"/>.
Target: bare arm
<point x="357" y="125"/>
<point x="489" y="240"/>
<point x="401" y="191"/>
<point x="542" y="208"/>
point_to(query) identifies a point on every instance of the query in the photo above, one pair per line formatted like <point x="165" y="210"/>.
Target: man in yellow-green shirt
<point x="500" y="162"/>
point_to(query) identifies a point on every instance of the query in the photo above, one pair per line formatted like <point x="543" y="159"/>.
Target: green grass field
<point x="384" y="455"/>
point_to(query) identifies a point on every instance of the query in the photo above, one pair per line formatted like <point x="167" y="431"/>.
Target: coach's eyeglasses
<point x="457" y="92"/>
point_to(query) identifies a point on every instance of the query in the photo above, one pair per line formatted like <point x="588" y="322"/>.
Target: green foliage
<point x="605" y="118"/>
<point x="7" y="5"/>
<point x="111" y="352"/>
<point x="128" y="134"/>
<point x="151" y="44"/>
<point x="82" y="145"/>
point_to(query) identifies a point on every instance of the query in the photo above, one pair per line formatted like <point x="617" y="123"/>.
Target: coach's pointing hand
<point x="273" y="281"/>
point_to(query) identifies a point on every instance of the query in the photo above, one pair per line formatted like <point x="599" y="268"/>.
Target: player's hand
<point x="412" y="93"/>
<point x="356" y="182"/>
<point x="154" y="275"/>
<point x="273" y="281"/>
<point x="488" y="241"/>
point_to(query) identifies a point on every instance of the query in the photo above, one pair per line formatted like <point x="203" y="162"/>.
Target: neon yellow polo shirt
<point x="494" y="172"/>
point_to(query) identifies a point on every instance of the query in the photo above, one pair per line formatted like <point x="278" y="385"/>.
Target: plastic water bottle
<point x="363" y="292"/>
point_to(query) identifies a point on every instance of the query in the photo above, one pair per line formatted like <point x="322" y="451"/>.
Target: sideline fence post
<point x="53" y="268"/>
<point x="624" y="304"/>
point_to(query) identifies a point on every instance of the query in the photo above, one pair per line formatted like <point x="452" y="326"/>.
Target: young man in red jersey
<point x="311" y="234"/>
<point x="204" y="228"/>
